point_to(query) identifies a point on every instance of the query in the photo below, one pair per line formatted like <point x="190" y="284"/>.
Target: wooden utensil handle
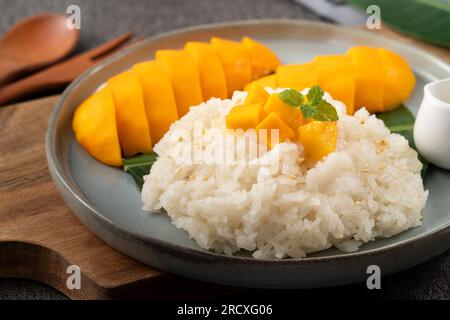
<point x="54" y="77"/>
<point x="26" y="87"/>
<point x="8" y="70"/>
<point x="46" y="80"/>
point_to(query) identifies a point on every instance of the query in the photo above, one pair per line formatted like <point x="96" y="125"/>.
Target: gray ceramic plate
<point x="108" y="202"/>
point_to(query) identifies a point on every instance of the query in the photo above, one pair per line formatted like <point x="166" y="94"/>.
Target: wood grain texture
<point x="40" y="237"/>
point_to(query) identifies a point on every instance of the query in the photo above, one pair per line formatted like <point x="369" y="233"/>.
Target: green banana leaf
<point x="428" y="20"/>
<point x="139" y="166"/>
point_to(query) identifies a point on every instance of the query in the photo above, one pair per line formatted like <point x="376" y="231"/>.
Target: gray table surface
<point x="101" y="20"/>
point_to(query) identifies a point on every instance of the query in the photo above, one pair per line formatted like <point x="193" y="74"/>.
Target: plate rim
<point x="59" y="178"/>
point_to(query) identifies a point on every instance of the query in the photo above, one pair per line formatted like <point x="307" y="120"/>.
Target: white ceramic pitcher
<point x="432" y="126"/>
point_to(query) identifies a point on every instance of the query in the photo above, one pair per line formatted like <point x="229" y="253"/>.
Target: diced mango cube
<point x="257" y="94"/>
<point x="319" y="139"/>
<point x="246" y="116"/>
<point x="274" y="122"/>
<point x="291" y="116"/>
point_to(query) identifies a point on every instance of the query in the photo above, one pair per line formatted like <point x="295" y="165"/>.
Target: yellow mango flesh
<point x="184" y="75"/>
<point x="94" y="124"/>
<point x="399" y="80"/>
<point x="132" y="125"/>
<point x="274" y="121"/>
<point x="246" y="116"/>
<point x="212" y="75"/>
<point x="257" y="93"/>
<point x="335" y="75"/>
<point x="318" y="138"/>
<point x="235" y="61"/>
<point x="267" y="81"/>
<point x="263" y="60"/>
<point x="369" y="81"/>
<point x="159" y="99"/>
<point x="297" y="76"/>
<point x="290" y="115"/>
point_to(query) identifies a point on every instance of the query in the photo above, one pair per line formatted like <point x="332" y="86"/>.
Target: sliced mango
<point x="399" y="80"/>
<point x="94" y="124"/>
<point x="182" y="71"/>
<point x="132" y="125"/>
<point x="263" y="60"/>
<point x="159" y="99"/>
<point x="297" y="76"/>
<point x="257" y="93"/>
<point x="236" y="63"/>
<point x="212" y="75"/>
<point x="274" y="121"/>
<point x="246" y="116"/>
<point x="318" y="138"/>
<point x="335" y="75"/>
<point x="369" y="82"/>
<point x="267" y="81"/>
<point x="290" y="115"/>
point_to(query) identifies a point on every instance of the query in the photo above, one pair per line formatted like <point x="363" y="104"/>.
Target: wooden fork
<point x="61" y="74"/>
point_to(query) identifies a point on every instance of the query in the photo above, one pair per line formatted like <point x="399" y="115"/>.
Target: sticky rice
<point x="369" y="187"/>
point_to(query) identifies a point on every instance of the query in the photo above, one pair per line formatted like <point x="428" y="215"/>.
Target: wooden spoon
<point x="62" y="73"/>
<point x="34" y="43"/>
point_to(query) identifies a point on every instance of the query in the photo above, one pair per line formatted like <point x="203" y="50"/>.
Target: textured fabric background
<point x="102" y="20"/>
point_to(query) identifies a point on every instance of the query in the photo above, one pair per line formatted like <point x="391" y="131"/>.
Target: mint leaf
<point x="291" y="97"/>
<point x="316" y="107"/>
<point x="308" y="111"/>
<point x="139" y="166"/>
<point x="315" y="95"/>
<point x="325" y="112"/>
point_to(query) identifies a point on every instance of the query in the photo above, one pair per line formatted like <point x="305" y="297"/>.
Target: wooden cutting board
<point x="40" y="237"/>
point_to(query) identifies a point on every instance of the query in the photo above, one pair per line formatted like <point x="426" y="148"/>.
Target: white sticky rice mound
<point x="369" y="187"/>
